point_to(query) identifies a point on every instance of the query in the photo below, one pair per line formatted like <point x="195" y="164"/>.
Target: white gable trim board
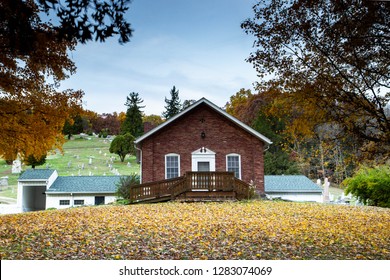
<point x="214" y="107"/>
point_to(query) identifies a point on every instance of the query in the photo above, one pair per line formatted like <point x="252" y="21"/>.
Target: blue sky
<point x="198" y="46"/>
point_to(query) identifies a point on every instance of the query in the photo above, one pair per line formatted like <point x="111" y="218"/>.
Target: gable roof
<point x="290" y="184"/>
<point x="215" y="108"/>
<point x="84" y="184"/>
<point x="36" y="174"/>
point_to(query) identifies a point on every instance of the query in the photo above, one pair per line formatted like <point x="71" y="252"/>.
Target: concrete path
<point x="8" y="206"/>
<point x="7" y="200"/>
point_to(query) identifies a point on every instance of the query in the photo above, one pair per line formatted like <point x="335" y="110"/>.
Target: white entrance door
<point x="203" y="166"/>
<point x="203" y="159"/>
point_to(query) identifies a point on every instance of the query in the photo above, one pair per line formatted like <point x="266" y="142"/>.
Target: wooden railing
<point x="242" y="189"/>
<point x="204" y="181"/>
<point x="153" y="190"/>
<point x="191" y="181"/>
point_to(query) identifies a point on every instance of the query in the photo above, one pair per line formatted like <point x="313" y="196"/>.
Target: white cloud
<point x="201" y="58"/>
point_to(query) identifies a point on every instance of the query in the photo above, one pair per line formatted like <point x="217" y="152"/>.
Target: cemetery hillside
<point x="83" y="155"/>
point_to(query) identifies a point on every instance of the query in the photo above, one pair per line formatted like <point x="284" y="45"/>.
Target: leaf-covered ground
<point x="234" y="230"/>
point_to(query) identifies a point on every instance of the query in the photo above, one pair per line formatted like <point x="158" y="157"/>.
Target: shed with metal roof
<point x="40" y="189"/>
<point x="292" y="187"/>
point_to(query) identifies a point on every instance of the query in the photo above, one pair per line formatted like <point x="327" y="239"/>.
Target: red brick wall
<point x="183" y="136"/>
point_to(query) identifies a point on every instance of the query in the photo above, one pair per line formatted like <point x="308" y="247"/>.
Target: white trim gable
<point x="214" y="107"/>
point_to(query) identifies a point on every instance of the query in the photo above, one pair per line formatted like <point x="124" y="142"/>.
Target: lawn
<point x="89" y="156"/>
<point x="229" y="230"/>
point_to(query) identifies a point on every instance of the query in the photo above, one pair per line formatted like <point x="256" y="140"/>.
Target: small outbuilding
<point x="40" y="189"/>
<point x="32" y="185"/>
<point x="70" y="191"/>
<point x="292" y="188"/>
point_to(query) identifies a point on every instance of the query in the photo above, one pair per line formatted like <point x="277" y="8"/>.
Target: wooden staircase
<point x="193" y="186"/>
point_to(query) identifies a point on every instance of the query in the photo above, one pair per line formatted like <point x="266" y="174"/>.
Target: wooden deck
<point x="193" y="186"/>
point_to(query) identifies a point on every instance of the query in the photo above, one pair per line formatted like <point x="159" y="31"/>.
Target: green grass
<point x="76" y="154"/>
<point x="75" y="159"/>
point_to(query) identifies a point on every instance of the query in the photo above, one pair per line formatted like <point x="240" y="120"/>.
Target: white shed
<point x="40" y="189"/>
<point x="32" y="185"/>
<point x="292" y="188"/>
<point x="71" y="191"/>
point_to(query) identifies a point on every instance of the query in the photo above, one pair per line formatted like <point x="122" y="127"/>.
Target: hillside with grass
<point x="229" y="230"/>
<point x="83" y="155"/>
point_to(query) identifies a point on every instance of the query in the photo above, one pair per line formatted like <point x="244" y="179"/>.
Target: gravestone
<point x="4" y="181"/>
<point x="16" y="166"/>
<point x="326" y="190"/>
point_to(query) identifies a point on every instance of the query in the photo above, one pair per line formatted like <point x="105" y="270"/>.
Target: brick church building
<point x="203" y="137"/>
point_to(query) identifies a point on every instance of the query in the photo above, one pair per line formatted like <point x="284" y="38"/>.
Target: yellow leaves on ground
<point x="250" y="230"/>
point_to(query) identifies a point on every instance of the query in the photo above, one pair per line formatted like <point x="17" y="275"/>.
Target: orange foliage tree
<point x="330" y="61"/>
<point x="303" y="136"/>
<point x="34" y="59"/>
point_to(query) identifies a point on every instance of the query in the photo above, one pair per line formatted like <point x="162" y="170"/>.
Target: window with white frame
<point x="64" y="202"/>
<point x="233" y="164"/>
<point x="79" y="202"/>
<point x="172" y="166"/>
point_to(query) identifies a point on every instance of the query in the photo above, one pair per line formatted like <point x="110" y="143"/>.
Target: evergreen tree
<point x="35" y="160"/>
<point x="173" y="105"/>
<point x="73" y="127"/>
<point x="133" y="123"/>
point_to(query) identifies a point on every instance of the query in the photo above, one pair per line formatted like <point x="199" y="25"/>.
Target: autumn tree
<point x="331" y="55"/>
<point x="238" y="103"/>
<point x="107" y="122"/>
<point x="121" y="117"/>
<point x="253" y="109"/>
<point x="87" y="119"/>
<point x="34" y="59"/>
<point x="31" y="122"/>
<point x="155" y="120"/>
<point x="173" y="105"/>
<point x="302" y="143"/>
<point x="133" y="122"/>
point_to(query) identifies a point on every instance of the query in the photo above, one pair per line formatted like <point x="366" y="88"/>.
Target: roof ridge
<point x="213" y="106"/>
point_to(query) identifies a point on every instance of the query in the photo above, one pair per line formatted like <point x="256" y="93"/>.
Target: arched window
<point x="233" y="164"/>
<point x="172" y="166"/>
